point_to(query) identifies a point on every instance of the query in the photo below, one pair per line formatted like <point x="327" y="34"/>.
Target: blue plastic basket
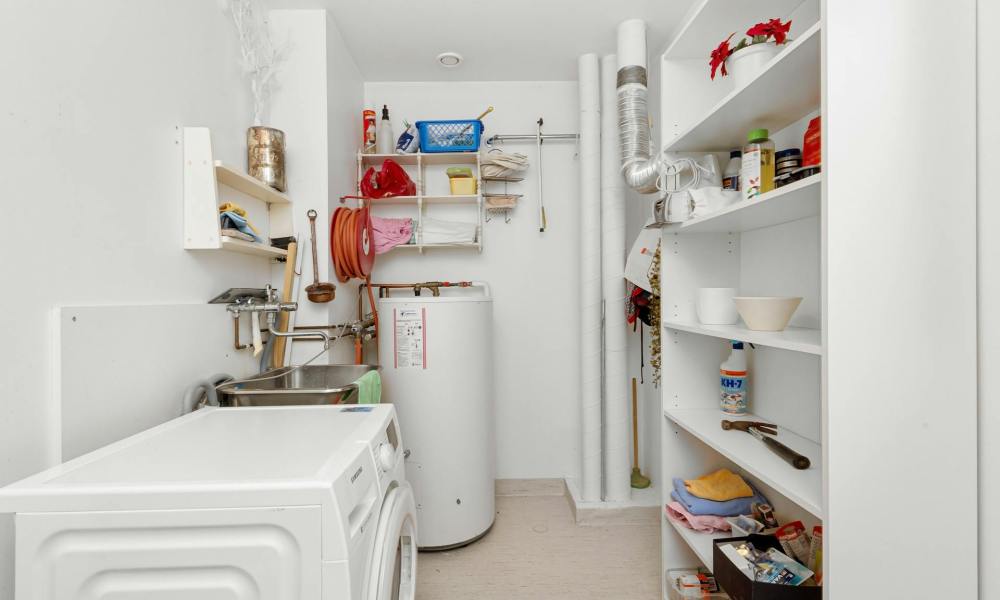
<point x="450" y="136"/>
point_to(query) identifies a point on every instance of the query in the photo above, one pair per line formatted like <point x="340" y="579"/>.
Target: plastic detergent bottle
<point x="733" y="382"/>
<point x="757" y="169"/>
<point x="386" y="141"/>
<point x="731" y="176"/>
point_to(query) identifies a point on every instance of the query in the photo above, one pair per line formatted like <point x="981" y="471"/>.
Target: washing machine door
<point x="394" y="561"/>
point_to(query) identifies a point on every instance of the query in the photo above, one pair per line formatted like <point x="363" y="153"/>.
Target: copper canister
<point x="266" y="156"/>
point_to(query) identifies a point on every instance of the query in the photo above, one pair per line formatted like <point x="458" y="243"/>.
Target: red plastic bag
<point x="391" y="180"/>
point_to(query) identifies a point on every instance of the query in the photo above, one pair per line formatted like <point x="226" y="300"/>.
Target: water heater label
<point x="410" y="344"/>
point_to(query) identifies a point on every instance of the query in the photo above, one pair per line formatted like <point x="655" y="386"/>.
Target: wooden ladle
<point x="317" y="291"/>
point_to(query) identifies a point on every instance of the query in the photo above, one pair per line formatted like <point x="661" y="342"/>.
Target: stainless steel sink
<point x="311" y="384"/>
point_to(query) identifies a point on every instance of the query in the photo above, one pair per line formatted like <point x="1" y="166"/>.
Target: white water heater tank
<point x="436" y="355"/>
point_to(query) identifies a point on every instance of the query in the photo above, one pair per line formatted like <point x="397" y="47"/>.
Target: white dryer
<point x="275" y="503"/>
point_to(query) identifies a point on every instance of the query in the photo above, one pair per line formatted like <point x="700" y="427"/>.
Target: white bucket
<point x="744" y="66"/>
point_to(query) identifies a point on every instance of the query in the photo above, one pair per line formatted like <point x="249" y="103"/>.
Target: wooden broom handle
<point x="635" y="428"/>
<point x="278" y="358"/>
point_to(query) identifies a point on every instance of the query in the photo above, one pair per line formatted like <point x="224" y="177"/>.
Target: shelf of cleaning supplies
<point x="786" y="90"/>
<point x="796" y="339"/>
<point x="798" y="200"/>
<point x="434" y="158"/>
<point x="709" y="22"/>
<point x="699" y="542"/>
<point x="245" y="247"/>
<point x="803" y="487"/>
<point x="238" y="180"/>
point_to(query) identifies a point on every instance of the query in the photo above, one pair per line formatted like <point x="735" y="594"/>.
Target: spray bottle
<point x="733" y="382"/>
<point x="386" y="141"/>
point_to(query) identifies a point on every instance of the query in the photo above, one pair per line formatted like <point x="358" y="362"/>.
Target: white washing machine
<point x="270" y="503"/>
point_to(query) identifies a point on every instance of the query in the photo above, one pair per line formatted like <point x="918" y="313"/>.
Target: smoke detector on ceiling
<point x="450" y="59"/>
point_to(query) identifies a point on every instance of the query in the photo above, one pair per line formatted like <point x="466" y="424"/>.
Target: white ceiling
<point x="501" y="40"/>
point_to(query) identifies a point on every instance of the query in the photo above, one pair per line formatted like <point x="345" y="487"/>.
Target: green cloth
<point x="369" y="388"/>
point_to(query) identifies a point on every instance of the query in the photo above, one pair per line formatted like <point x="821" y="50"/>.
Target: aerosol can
<point x="368" y="131"/>
<point x="733" y="382"/>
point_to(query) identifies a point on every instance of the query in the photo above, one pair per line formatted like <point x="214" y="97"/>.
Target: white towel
<point x="436" y="231"/>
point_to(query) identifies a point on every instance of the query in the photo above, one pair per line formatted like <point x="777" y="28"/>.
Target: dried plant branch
<point x="259" y="56"/>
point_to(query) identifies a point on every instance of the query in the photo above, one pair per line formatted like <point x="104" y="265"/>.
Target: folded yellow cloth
<point x="236" y="208"/>
<point x="720" y="486"/>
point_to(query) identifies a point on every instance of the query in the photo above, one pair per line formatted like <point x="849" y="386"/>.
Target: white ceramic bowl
<point x="766" y="313"/>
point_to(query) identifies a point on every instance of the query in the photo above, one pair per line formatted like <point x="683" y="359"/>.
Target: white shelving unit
<point x="208" y="183"/>
<point x="766" y="246"/>
<point x="423" y="200"/>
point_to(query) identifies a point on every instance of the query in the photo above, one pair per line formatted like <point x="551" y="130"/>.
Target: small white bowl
<point x="766" y="313"/>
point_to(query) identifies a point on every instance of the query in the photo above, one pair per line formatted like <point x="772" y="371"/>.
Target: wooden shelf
<point x="796" y="339"/>
<point x="711" y="21"/>
<point x="238" y="180"/>
<point x="784" y="92"/>
<point x="437" y="158"/>
<point x="792" y="202"/>
<point x="803" y="487"/>
<point x="699" y="542"/>
<point x="245" y="247"/>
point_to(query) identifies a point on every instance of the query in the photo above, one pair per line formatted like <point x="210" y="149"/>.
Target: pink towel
<point x="705" y="523"/>
<point x="389" y="233"/>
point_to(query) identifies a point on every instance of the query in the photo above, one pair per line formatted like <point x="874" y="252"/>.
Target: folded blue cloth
<point x="238" y="223"/>
<point x="699" y="506"/>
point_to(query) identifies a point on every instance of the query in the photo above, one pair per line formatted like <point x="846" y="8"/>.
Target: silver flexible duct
<point x="639" y="169"/>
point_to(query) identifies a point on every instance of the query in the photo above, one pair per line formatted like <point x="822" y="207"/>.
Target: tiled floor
<point x="536" y="551"/>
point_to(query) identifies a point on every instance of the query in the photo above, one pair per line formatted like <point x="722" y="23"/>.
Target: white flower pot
<point x="743" y="66"/>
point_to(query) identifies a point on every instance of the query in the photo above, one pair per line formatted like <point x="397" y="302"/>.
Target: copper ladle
<point x="317" y="291"/>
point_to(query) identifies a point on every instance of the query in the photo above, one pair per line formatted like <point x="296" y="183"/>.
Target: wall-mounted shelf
<point x="208" y="183"/>
<point x="803" y="487"/>
<point x="420" y="158"/>
<point x="236" y="179"/>
<point x="798" y="200"/>
<point x="422" y="200"/>
<point x="796" y="339"/>
<point x="784" y="92"/>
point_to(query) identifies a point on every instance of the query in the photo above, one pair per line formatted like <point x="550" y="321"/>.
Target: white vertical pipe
<point x="590" y="276"/>
<point x="617" y="476"/>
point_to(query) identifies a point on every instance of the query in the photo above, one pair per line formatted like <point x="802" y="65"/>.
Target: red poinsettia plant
<point x="760" y="33"/>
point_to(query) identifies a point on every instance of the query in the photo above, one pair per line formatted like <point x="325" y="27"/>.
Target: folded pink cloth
<point x="706" y="523"/>
<point x="389" y="233"/>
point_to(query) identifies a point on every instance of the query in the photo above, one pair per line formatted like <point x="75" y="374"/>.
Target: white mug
<point x="715" y="306"/>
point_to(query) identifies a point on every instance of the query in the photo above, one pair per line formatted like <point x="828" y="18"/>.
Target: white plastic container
<point x="715" y="306"/>
<point x="385" y="140"/>
<point x="731" y="176"/>
<point x="437" y="369"/>
<point x="734" y="387"/>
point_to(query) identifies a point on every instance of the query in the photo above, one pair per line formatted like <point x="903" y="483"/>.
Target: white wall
<point x="318" y="105"/>
<point x="988" y="155"/>
<point x="534" y="275"/>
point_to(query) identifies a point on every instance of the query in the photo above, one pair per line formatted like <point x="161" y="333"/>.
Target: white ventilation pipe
<point x="590" y="277"/>
<point x="617" y="482"/>
<point x="639" y="169"/>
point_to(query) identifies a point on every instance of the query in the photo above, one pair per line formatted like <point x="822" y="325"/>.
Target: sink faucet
<point x="269" y="306"/>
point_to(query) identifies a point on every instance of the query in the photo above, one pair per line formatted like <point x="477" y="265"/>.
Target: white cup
<point x="715" y="306"/>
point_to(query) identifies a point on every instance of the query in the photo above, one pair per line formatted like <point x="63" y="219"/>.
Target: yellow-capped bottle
<point x="757" y="170"/>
